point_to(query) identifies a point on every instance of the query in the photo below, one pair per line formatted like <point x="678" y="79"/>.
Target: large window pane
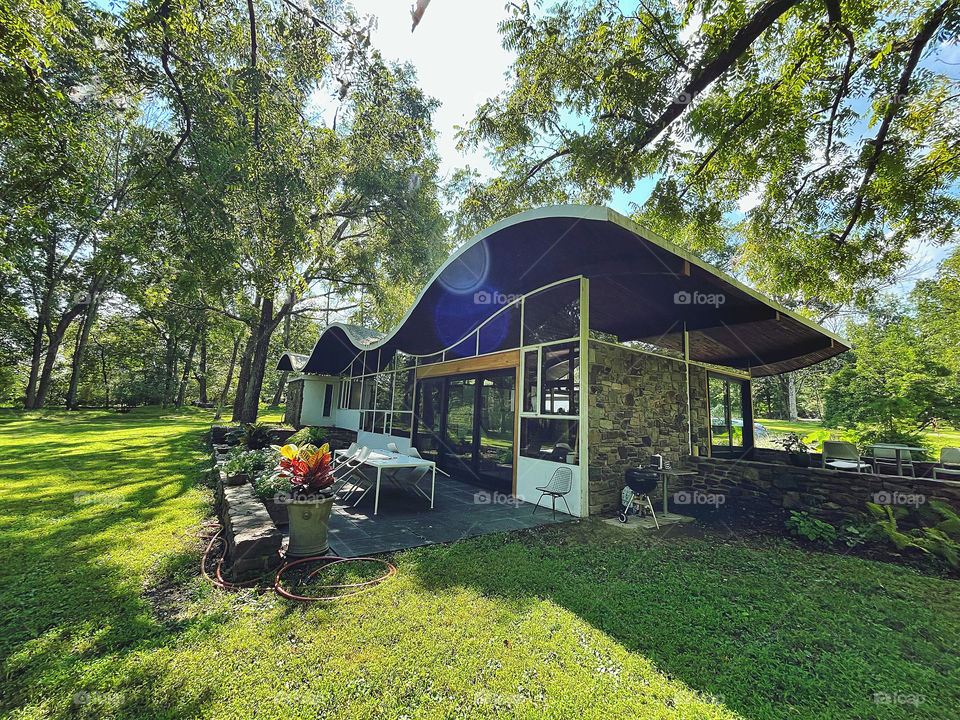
<point x="560" y="379"/>
<point x="369" y="392"/>
<point x="366" y="422"/>
<point x="727" y="418"/>
<point x="384" y="383"/>
<point x="552" y="314"/>
<point x="356" y="388"/>
<point x="549" y="439"/>
<point x="501" y="332"/>
<point x="530" y="388"/>
<point x="402" y="424"/>
<point x="465" y="348"/>
<point x="403" y="391"/>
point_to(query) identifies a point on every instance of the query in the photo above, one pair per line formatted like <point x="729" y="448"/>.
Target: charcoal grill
<point x="636" y="495"/>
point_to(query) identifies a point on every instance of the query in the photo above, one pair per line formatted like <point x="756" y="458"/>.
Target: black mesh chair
<point x="560" y="484"/>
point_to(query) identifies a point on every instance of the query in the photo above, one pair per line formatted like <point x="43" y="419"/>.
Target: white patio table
<point x="385" y="460"/>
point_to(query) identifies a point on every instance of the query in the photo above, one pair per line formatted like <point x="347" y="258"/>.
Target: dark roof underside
<point x="638" y="285"/>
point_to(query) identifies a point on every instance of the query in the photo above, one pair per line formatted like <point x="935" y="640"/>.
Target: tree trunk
<point x="185" y="378"/>
<point x="169" y="361"/>
<point x="106" y="380"/>
<point x="88" y="320"/>
<point x="226" y="385"/>
<point x="792" y="398"/>
<point x="264" y="330"/>
<point x="53" y="348"/>
<point x="287" y="321"/>
<point x="31" y="393"/>
<point x="243" y="378"/>
<point x="202" y="376"/>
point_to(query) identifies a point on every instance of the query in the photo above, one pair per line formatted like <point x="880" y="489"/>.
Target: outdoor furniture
<point x="892" y="455"/>
<point x="413" y="452"/>
<point x="560" y="484"/>
<point x="842" y="455"/>
<point x="349" y="467"/>
<point x="381" y="461"/>
<point x="949" y="464"/>
<point x="665" y="474"/>
<point x="342" y="455"/>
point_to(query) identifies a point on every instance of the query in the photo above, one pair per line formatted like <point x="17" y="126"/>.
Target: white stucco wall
<point x="314" y="389"/>
<point x="533" y="472"/>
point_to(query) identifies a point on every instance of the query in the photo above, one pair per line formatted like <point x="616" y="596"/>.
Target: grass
<point x="102" y="613"/>
<point x="943" y="437"/>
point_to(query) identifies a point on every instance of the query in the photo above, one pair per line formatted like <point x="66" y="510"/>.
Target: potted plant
<point x="798" y="452"/>
<point x="309" y="499"/>
<point x="242" y="466"/>
<point x="273" y="490"/>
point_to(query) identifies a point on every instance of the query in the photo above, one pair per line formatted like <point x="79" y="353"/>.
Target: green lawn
<point x="103" y="613"/>
<point x="944" y="437"/>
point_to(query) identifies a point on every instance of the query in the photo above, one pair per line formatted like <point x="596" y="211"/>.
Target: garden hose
<point x="360" y="587"/>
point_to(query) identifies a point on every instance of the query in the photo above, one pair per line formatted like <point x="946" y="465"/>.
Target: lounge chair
<point x="885" y="460"/>
<point x="949" y="464"/>
<point x="842" y="455"/>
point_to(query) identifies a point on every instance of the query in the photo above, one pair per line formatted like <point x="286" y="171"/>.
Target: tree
<point x="815" y="139"/>
<point x="891" y="387"/>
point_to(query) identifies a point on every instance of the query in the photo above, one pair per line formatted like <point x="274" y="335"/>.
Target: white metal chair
<point x="842" y="455"/>
<point x="413" y="452"/>
<point x="887" y="458"/>
<point x="350" y="469"/>
<point x="560" y="484"/>
<point x="949" y="464"/>
<point x="351" y="452"/>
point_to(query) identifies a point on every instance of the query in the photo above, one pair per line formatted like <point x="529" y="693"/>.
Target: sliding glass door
<point x="466" y="424"/>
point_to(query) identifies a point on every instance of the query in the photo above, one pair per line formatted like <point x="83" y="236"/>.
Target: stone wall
<point x="760" y="489"/>
<point x="294" y="402"/>
<point x="637" y="407"/>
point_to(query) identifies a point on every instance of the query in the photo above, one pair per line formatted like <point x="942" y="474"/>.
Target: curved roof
<point x="642" y="287"/>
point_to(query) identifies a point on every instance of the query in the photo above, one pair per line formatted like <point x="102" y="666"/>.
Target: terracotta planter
<point x="308" y="527"/>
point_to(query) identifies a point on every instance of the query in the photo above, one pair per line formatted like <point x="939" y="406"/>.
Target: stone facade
<point x="699" y="411"/>
<point x="760" y="489"/>
<point x="294" y="395"/>
<point x="637" y="407"/>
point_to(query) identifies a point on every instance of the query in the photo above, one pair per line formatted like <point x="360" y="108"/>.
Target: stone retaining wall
<point x="253" y="540"/>
<point x="762" y="488"/>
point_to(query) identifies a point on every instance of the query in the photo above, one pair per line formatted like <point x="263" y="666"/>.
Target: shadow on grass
<point x="72" y="567"/>
<point x="764" y="627"/>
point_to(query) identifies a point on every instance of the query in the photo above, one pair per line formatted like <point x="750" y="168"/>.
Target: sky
<point x="460" y="61"/>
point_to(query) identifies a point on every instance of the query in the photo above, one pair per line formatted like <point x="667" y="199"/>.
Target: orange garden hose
<point x="220" y="582"/>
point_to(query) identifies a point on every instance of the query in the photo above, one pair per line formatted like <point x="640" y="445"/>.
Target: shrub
<point x="940" y="541"/>
<point x="255" y="436"/>
<point x="309" y="435"/>
<point x="803" y="524"/>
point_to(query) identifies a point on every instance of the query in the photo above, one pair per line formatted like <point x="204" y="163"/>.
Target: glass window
<point x="356" y="388"/>
<point x="727" y="421"/>
<point x="530" y="390"/>
<point x="552" y="314"/>
<point x="327" y="399"/>
<point x="402" y="361"/>
<point x="502" y="332"/>
<point x="549" y="439"/>
<point x="356" y="369"/>
<point x="465" y="348"/>
<point x="384" y="383"/>
<point x="430" y="359"/>
<point x="369" y="392"/>
<point x="560" y="378"/>
<point x="402" y="424"/>
<point x="366" y="422"/>
<point x="403" y="392"/>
